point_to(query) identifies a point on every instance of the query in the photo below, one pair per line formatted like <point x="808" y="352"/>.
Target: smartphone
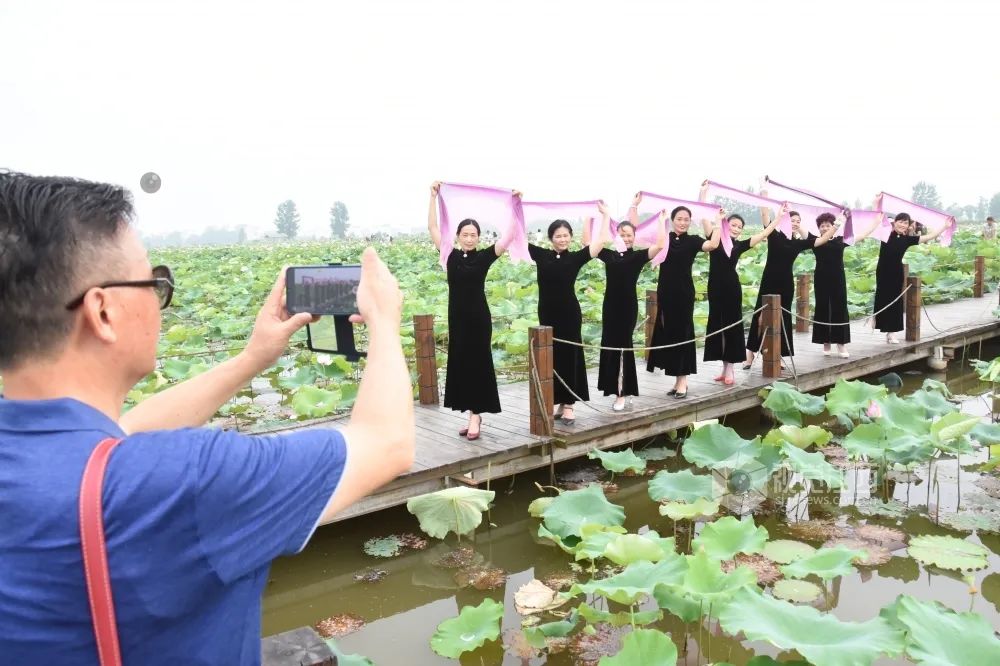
<point x="322" y="290"/>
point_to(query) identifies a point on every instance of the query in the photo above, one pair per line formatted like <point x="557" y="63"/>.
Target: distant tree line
<point x="287" y="219"/>
<point x="210" y="236"/>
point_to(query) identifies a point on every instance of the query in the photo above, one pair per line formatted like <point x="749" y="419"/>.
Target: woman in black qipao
<point x="830" y="291"/>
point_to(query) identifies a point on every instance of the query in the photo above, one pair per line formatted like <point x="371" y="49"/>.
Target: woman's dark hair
<point x="903" y="217"/>
<point x="466" y="222"/>
<point x="794" y="213"/>
<point x="734" y="216"/>
<point x="626" y="223"/>
<point x="557" y="225"/>
<point x="824" y="218"/>
<point x="675" y="211"/>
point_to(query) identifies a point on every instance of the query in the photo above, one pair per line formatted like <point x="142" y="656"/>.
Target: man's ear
<point x="98" y="315"/>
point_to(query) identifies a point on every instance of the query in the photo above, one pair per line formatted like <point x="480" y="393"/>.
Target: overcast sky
<point x="240" y="105"/>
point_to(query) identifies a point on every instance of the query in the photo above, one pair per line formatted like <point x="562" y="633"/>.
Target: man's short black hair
<point x="55" y="234"/>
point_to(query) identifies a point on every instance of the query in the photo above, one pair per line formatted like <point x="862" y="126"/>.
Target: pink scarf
<point x="932" y="219"/>
<point x="652" y="204"/>
<point x="809" y="212"/>
<point x="491" y="207"/>
<point x="726" y="192"/>
<point x="863" y="219"/>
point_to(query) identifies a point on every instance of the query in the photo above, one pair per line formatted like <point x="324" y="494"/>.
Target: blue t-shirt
<point x="192" y="519"/>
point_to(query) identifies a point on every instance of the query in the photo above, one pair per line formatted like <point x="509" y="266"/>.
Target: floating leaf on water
<point x="785" y="551"/>
<point x="588" y="648"/>
<point x="459" y="558"/>
<point x="966" y="521"/>
<point x="649" y="647"/>
<point x="635" y="581"/>
<point x="947" y="552"/>
<point x="799" y="591"/>
<point x="389" y="546"/>
<point x="788" y="404"/>
<point x="371" y="575"/>
<point x="459" y="510"/>
<point x="727" y="536"/>
<point x="535" y="597"/>
<point x="689" y="510"/>
<point x="938" y="635"/>
<point x="827" y="563"/>
<point x="875" y="507"/>
<point x="471" y="629"/>
<point x="338" y="625"/>
<point x="767" y="572"/>
<point x="819" y="637"/>
<point x="873" y="555"/>
<point x="568" y="512"/>
<point x="619" y="619"/>
<point x="797" y="436"/>
<point x="684" y="486"/>
<point x="618" y="461"/>
<point x="539" y="635"/>
<point x="889" y="537"/>
<point x="481" y="578"/>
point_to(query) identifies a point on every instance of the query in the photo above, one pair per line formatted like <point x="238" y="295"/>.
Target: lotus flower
<point x="874" y="411"/>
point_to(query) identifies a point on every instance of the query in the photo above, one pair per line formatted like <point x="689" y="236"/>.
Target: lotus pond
<point x="863" y="526"/>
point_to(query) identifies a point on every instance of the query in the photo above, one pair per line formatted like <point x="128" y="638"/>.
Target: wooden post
<point x="906" y="276"/>
<point x="913" y="308"/>
<point x="802" y="304"/>
<point x="770" y="325"/>
<point x="977" y="285"/>
<point x="298" y="647"/>
<point x="540" y="392"/>
<point x="427" y="374"/>
<point x="651" y="311"/>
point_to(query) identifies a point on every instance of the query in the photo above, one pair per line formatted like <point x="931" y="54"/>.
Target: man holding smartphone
<point x="192" y="516"/>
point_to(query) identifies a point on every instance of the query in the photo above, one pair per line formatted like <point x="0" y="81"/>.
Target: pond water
<point x="413" y="594"/>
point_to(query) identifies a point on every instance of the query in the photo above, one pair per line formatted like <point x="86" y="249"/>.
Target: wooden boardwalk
<point x="506" y="446"/>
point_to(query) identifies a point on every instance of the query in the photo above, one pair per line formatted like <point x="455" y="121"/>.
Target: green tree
<point x="994" y="211"/>
<point x="339" y="220"/>
<point x="926" y="194"/>
<point x="287" y="219"/>
<point x="983" y="208"/>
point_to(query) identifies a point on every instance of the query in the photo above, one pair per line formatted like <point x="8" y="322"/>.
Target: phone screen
<point x="322" y="290"/>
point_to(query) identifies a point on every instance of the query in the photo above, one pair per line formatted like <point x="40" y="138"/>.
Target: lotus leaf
<point x="635" y="581"/>
<point x="618" y="461"/>
<point x="686" y="511"/>
<point x="535" y="597"/>
<point x="625" y="549"/>
<point x="821" y="638"/>
<point x="765" y="660"/>
<point x="798" y="437"/>
<point x="908" y="449"/>
<point x="536" y="635"/>
<point x="389" y="546"/>
<point x="570" y="510"/>
<point x="954" y="425"/>
<point x="595" y="540"/>
<point x="654" y="453"/>
<point x="648" y="647"/>
<point x="986" y="434"/>
<point x="785" y="551"/>
<point x="313" y="402"/>
<point x="538" y="506"/>
<point x="933" y="403"/>
<point x="684" y="485"/>
<point x="715" y="446"/>
<point x="935" y="386"/>
<point x="344" y="659"/>
<point x="673" y="599"/>
<point x="867" y="440"/>
<point x="851" y="398"/>
<point x="903" y="415"/>
<point x="619" y="619"/>
<point x="788" y="404"/>
<point x="707" y="584"/>
<point x="725" y="537"/>
<point x="813" y="466"/>
<point x="826" y="563"/>
<point x="471" y="629"/>
<point x="801" y="591"/>
<point x="458" y="510"/>
<point x="947" y="552"/>
<point x="938" y="636"/>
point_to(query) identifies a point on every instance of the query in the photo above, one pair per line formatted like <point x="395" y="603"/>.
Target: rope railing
<point x="847" y="323"/>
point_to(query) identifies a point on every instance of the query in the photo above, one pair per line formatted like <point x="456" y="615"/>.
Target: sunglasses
<point x="162" y="283"/>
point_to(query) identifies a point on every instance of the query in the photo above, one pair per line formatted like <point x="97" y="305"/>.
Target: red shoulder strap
<point x="95" y="557"/>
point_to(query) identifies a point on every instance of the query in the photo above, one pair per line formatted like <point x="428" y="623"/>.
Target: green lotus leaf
<point x="618" y="461"/>
<point x="788" y="404"/>
<point x="595" y="540"/>
<point x="389" y="546"/>
<point x="636" y="580"/>
<point x="673" y="599"/>
<point x="572" y="509"/>
<point x="867" y="440"/>
<point x="765" y="660"/>
<point x="459" y="510"/>
<point x="474" y="626"/>
<point x="813" y="466"/>
<point x="536" y="635"/>
<point x="569" y="545"/>
<point x="688" y="510"/>
<point x="933" y="403"/>
<point x="851" y="398"/>
<point x="935" y="386"/>
<point x="819" y="637"/>
<point x="953" y="425"/>
<point x="538" y="506"/>
<point x="801" y="591"/>
<point x="625" y="549"/>
<point x="715" y="446"/>
<point x="684" y="485"/>
<point x="706" y="584"/>
<point x="987" y="434"/>
<point x="947" y="552"/>
<point x="725" y="537"/>
<point x="938" y="636"/>
<point x="903" y="415"/>
<point x="649" y="647"/>
<point x="619" y="619"/>
<point x="909" y="449"/>
<point x="312" y="402"/>
<point x="827" y="563"/>
<point x="344" y="659"/>
<point x="799" y="437"/>
<point x="654" y="453"/>
<point x="785" y="551"/>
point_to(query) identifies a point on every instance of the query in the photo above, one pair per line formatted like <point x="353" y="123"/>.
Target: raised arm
<point x="633" y="211"/>
<point x="713" y="240"/>
<point x="870" y="230"/>
<point x="504" y="241"/>
<point x="771" y="226"/>
<point x="661" y="235"/>
<point x="828" y="234"/>
<point x="934" y="234"/>
<point x="602" y="236"/>
<point x="432" y="215"/>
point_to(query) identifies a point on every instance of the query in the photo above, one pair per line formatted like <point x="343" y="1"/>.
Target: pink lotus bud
<point x="874" y="411"/>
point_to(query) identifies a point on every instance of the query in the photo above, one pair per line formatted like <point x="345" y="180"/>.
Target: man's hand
<point x="273" y="327"/>
<point x="380" y="302"/>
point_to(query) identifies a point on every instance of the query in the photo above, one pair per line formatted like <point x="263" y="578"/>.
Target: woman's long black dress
<point x="675" y="308"/>
<point x="830" y="289"/>
<point x="725" y="305"/>
<point x="470" y="382"/>
<point x="619" y="315"/>
<point x="889" y="281"/>
<point x="558" y="308"/>
<point x="777" y="279"/>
